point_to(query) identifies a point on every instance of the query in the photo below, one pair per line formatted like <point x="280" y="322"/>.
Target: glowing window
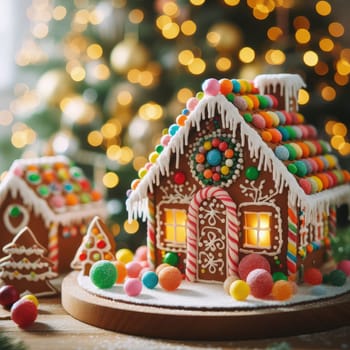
<point x="175" y="225"/>
<point x="257" y="229"/>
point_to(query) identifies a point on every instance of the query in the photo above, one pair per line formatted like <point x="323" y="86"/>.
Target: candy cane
<point x="292" y="241"/>
<point x="192" y="230"/>
<point x="53" y="245"/>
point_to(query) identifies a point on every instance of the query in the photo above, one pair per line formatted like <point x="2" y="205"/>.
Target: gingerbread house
<point x="241" y="172"/>
<point x="52" y="197"/>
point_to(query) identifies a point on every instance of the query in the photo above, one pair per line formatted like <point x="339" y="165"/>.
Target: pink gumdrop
<point x="211" y="87"/>
<point x="141" y="253"/>
<point x="251" y="262"/>
<point x="133" y="269"/>
<point x="57" y="201"/>
<point x="305" y="185"/>
<point x="344" y="265"/>
<point x="260" y="282"/>
<point x="258" y="121"/>
<point x="191" y="103"/>
<point x="132" y="287"/>
<point x="165" y="140"/>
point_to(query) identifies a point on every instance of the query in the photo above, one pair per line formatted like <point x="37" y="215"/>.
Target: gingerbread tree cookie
<point x="26" y="267"/>
<point x="98" y="244"/>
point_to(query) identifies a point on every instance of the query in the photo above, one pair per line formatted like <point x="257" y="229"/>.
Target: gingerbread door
<point x="212" y="236"/>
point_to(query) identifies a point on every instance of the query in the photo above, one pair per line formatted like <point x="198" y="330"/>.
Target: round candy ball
<point x="211" y="86"/>
<point x="276" y="276"/>
<point x="170" y="278"/>
<point x="228" y="282"/>
<point x="171" y="258"/>
<point x="161" y="267"/>
<point x="132" y="287"/>
<point x="103" y="274"/>
<point x="337" y="278"/>
<point x="282" y="290"/>
<point x="125" y="255"/>
<point x="344" y="265"/>
<point x="318" y="290"/>
<point x="260" y="282"/>
<point x="149" y="279"/>
<point x="239" y="290"/>
<point x="121" y="271"/>
<point x="133" y="269"/>
<point x="31" y="298"/>
<point x="251" y="262"/>
<point x="8" y="295"/>
<point x="313" y="276"/>
<point x="24" y="313"/>
<point x="141" y="253"/>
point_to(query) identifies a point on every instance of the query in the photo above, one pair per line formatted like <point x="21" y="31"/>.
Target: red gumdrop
<point x="24" y="313"/>
<point x="251" y="262"/>
<point x="8" y="295"/>
<point x="133" y="269"/>
<point x="344" y="265"/>
<point x="260" y="282"/>
<point x="313" y="276"/>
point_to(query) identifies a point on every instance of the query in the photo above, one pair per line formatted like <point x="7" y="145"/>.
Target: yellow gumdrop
<point x="124" y="255"/>
<point x="31" y="298"/>
<point x="207" y="145"/>
<point x="239" y="290"/>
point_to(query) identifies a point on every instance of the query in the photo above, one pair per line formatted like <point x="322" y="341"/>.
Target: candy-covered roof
<point x="284" y="144"/>
<point x="54" y="188"/>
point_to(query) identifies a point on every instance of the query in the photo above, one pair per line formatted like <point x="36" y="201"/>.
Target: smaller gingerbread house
<point x="52" y="197"/>
<point x="241" y="172"/>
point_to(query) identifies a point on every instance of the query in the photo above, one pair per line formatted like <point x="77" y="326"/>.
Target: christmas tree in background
<point x="111" y="75"/>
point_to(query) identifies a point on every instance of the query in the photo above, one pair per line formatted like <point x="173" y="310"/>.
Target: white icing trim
<point x="16" y="186"/>
<point x="289" y="85"/>
<point x="12" y="229"/>
<point x="314" y="204"/>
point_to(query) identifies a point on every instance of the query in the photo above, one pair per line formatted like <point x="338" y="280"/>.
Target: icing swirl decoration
<point x="216" y="159"/>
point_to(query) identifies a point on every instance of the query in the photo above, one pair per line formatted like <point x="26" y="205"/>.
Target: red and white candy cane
<point x="192" y="230"/>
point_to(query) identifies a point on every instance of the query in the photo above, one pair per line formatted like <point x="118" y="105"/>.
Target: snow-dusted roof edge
<point x="15" y="185"/>
<point x="137" y="203"/>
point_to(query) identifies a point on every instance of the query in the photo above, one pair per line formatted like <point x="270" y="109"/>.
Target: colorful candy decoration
<point x="8" y="295"/>
<point x="150" y="279"/>
<point x="239" y="290"/>
<point x="282" y="290"/>
<point x="251" y="262"/>
<point x="132" y="287"/>
<point x="24" y="313"/>
<point x="170" y="278"/>
<point x="260" y="282"/>
<point x="171" y="258"/>
<point x="313" y="276"/>
<point x="103" y="274"/>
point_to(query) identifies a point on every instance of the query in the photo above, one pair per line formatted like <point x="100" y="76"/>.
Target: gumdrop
<point x="260" y="282"/>
<point x="251" y="262"/>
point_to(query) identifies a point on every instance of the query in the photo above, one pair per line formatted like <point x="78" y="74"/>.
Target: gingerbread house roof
<point x="54" y="188"/>
<point x="285" y="145"/>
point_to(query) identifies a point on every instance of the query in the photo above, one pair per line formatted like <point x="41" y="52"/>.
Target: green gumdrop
<point x="337" y="278"/>
<point x="171" y="258"/>
<point x="277" y="276"/>
<point x="15" y="212"/>
<point x="292" y="168"/>
<point x="103" y="274"/>
<point x="252" y="173"/>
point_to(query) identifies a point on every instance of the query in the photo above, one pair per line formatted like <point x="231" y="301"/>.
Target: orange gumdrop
<point x="161" y="267"/>
<point x="71" y="199"/>
<point x="121" y="271"/>
<point x="282" y="290"/>
<point x="170" y="278"/>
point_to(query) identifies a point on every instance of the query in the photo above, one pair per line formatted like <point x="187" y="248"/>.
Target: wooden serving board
<point x="185" y="324"/>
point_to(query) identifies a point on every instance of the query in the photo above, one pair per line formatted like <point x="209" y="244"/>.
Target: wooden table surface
<point x="55" y="329"/>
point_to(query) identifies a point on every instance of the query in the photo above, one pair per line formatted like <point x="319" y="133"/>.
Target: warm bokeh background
<point x="98" y="81"/>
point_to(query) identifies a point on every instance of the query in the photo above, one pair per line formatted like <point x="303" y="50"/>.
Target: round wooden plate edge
<point x="178" y="324"/>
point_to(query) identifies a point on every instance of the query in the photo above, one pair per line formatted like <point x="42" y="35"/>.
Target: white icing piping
<point x="289" y="85"/>
<point x="314" y="204"/>
<point x="30" y="199"/>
